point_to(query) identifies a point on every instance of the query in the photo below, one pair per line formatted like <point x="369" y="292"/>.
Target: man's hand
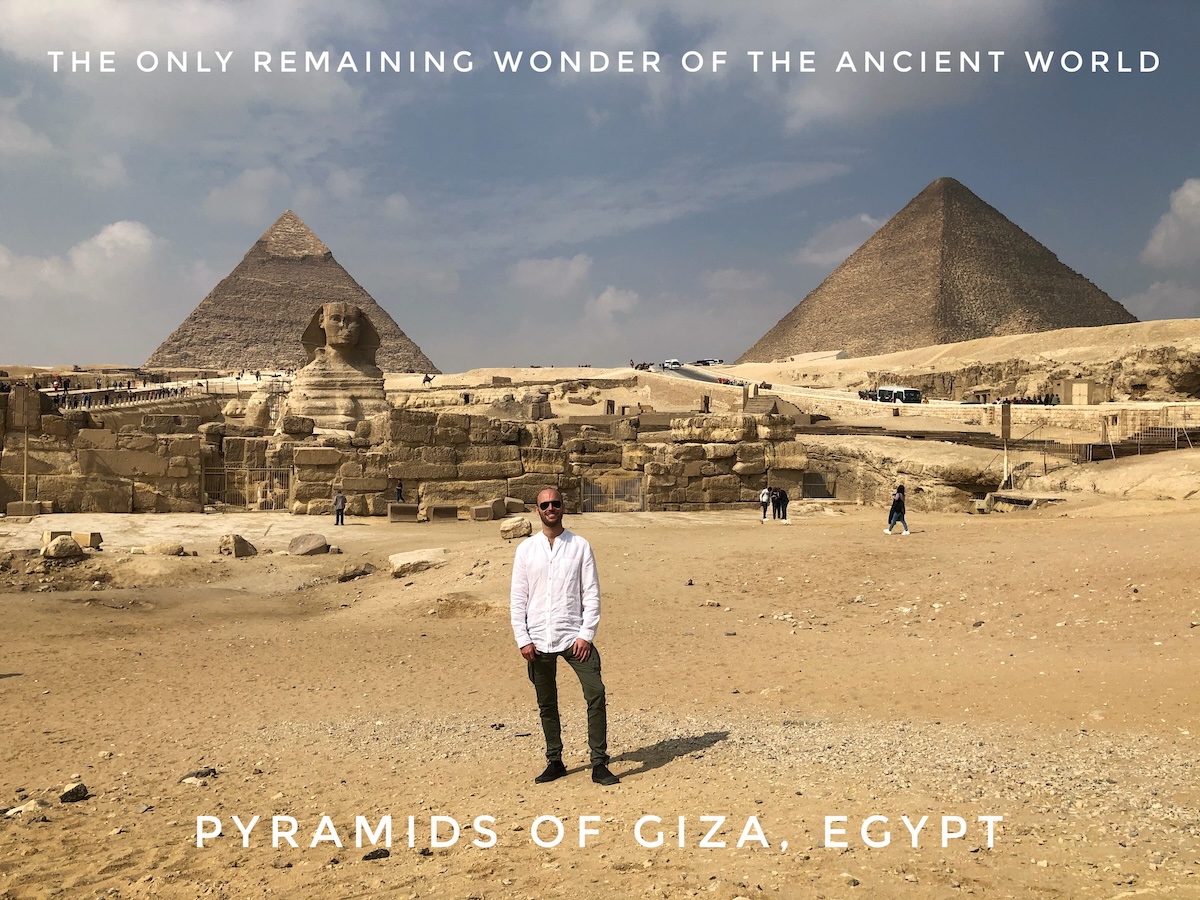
<point x="529" y="652"/>
<point x="581" y="650"/>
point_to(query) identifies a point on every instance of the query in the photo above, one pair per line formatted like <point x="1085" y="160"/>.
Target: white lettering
<point x="508" y="63"/>
<point x="752" y="832"/>
<point x="991" y="827"/>
<point x="830" y="831"/>
<point x="489" y="836"/>
<point x="866" y="832"/>
<point x="947" y="835"/>
<point x="584" y="831"/>
<point x="914" y="831"/>
<point x="435" y="840"/>
<point x="262" y="60"/>
<point x="245" y="829"/>
<point x="1041" y="62"/>
<point x="203" y="834"/>
<point x="706" y="842"/>
<point x="363" y="827"/>
<point x="637" y="832"/>
<point x="288" y="834"/>
<point x="153" y="60"/>
<point x="537" y="839"/>
<point x="325" y="832"/>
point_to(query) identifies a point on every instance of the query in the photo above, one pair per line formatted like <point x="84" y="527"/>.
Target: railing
<point x="246" y="487"/>
<point x="614" y="495"/>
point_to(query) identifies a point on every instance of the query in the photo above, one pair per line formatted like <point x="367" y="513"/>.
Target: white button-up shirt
<point x="555" y="592"/>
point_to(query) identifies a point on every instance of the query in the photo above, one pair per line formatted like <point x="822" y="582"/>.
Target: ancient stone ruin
<point x="948" y="267"/>
<point x="341" y="384"/>
<point x="250" y="320"/>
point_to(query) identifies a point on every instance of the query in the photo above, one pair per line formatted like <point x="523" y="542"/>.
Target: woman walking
<point x="896" y="513"/>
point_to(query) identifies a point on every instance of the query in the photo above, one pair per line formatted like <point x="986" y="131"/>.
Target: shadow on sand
<point x="656" y="755"/>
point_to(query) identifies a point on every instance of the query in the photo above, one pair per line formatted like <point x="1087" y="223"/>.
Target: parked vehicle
<point x="672" y="364"/>
<point x="892" y="393"/>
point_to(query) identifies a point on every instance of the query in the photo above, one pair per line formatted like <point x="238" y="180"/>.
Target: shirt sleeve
<point x="518" y="599"/>
<point x="589" y="589"/>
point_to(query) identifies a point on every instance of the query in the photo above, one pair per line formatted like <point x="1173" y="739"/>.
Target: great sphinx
<point x="341" y="384"/>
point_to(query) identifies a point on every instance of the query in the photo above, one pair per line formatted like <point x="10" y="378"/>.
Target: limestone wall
<point x="703" y="462"/>
<point x="80" y="468"/>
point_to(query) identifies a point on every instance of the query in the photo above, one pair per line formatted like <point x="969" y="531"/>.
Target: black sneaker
<point x="554" y="771"/>
<point x="601" y="775"/>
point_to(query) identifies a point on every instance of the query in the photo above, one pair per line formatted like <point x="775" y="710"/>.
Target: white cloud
<point x="603" y="308"/>
<point x="16" y="137"/>
<point x="1165" y="300"/>
<point x="1175" y="240"/>
<point x="397" y="207"/>
<point x="726" y="282"/>
<point x="95" y="268"/>
<point x="554" y="278"/>
<point x="832" y="244"/>
<point x="827" y="29"/>
<point x="251" y="197"/>
<point x="493" y="218"/>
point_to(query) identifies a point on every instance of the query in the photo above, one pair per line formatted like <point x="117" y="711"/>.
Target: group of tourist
<point x="1039" y="400"/>
<point x="777" y="499"/>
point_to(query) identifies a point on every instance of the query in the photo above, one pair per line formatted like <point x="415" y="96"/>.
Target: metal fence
<point x="614" y="494"/>
<point x="246" y="487"/>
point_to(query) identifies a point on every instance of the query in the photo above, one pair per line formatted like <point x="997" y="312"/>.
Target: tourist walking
<point x="339" y="508"/>
<point x="896" y="513"/>
<point x="554" y="607"/>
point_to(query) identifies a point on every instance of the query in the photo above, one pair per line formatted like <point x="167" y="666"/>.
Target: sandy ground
<point x="1040" y="666"/>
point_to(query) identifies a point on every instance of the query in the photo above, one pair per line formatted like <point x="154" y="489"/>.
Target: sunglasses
<point x="550" y="504"/>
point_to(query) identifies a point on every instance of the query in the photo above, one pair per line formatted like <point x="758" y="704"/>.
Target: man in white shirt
<point x="555" y="610"/>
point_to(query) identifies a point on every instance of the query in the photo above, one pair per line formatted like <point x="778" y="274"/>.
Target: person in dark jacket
<point x="896" y="513"/>
<point x="782" y="496"/>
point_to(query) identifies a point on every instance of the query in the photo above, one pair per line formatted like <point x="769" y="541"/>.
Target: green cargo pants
<point x="543" y="672"/>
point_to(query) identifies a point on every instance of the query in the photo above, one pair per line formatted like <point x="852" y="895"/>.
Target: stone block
<point x="716" y="429"/>
<point x="184" y="446"/>
<point x="515" y="527"/>
<point x="441" y="512"/>
<point x="402" y="512"/>
<point x="317" y="456"/>
<point x="122" y="463"/>
<point x="462" y="493"/>
<point x="135" y="440"/>
<point x="404" y="564"/>
<point x="499" y="508"/>
<point x="41" y="461"/>
<point x="55" y="426"/>
<point x="482" y="513"/>
<point x="80" y="493"/>
<point x="350" y="469"/>
<point x="719" y="451"/>
<point x="788" y="455"/>
<point x="92" y="539"/>
<point x="543" y="460"/>
<point x="514" y="505"/>
<point x="311" y="544"/>
<point x="297" y="425"/>
<point x="494" y="461"/>
<point x="527" y="487"/>
<point x="62" y="547"/>
<point x="96" y="439"/>
<point x="320" y="508"/>
<point x="49" y="537"/>
<point x="364" y="485"/>
<point x="306" y="491"/>
<point x="236" y="546"/>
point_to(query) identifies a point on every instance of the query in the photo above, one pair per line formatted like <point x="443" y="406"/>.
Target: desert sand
<point x="1038" y="666"/>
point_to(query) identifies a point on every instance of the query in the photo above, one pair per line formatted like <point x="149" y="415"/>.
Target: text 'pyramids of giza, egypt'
<point x="948" y="267"/>
<point x="254" y="318"/>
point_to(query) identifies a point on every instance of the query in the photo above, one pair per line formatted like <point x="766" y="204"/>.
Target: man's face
<point x="341" y="324"/>
<point x="549" y="508"/>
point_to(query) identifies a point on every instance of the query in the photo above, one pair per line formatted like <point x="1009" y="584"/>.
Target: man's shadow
<point x="656" y="755"/>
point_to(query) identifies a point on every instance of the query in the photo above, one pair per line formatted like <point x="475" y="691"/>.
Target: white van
<point x="672" y="364"/>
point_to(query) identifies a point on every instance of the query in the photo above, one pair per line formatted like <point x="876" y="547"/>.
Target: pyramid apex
<point x="289" y="237"/>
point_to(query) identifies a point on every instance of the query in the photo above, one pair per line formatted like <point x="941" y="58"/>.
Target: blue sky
<point x="560" y="218"/>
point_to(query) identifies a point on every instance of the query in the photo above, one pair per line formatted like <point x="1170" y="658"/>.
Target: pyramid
<point x="948" y="267"/>
<point x="255" y="317"/>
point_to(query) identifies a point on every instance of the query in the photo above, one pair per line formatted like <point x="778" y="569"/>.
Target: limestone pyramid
<point x="948" y="267"/>
<point x="255" y="317"/>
